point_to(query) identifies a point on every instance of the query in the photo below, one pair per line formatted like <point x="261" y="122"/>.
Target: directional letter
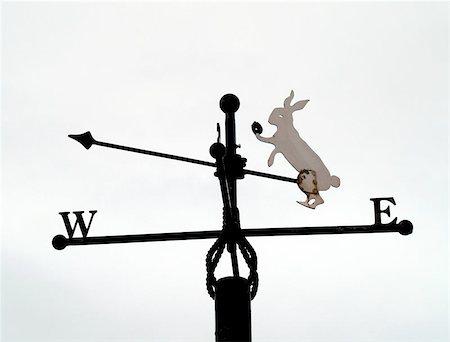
<point x="378" y="211"/>
<point x="79" y="221"/>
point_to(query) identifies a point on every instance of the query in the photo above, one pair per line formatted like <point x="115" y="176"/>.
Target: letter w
<point x="79" y="221"/>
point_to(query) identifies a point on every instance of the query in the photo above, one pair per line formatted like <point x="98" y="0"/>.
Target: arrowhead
<point x="84" y="139"/>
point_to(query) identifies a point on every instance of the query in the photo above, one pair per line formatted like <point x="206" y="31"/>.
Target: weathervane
<point x="313" y="175"/>
<point x="233" y="294"/>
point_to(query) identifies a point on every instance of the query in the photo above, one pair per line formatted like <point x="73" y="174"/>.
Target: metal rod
<point x="234" y="261"/>
<point x="87" y="141"/>
<point x="404" y="227"/>
<point x="156" y="154"/>
<point x="271" y="176"/>
<point x="60" y="241"/>
<point x="218" y="151"/>
<point x="230" y="135"/>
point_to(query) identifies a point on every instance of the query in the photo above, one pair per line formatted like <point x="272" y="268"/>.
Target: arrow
<point x="404" y="227"/>
<point x="87" y="140"/>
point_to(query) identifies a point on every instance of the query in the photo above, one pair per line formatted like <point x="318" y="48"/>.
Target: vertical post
<point x="229" y="104"/>
<point x="232" y="294"/>
<point x="233" y="316"/>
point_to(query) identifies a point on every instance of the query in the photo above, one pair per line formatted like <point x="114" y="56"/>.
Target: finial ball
<point x="406" y="227"/>
<point x="59" y="242"/>
<point x="217" y="150"/>
<point x="229" y="103"/>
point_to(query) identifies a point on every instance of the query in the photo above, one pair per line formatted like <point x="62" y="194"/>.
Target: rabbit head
<point x="282" y="116"/>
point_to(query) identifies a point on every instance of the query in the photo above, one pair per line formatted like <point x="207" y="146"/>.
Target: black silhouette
<point x="232" y="294"/>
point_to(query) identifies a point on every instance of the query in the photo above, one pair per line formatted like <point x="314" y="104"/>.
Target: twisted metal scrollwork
<point x="214" y="254"/>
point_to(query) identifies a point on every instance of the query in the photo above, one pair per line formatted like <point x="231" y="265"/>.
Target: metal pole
<point x="233" y="316"/>
<point x="229" y="104"/>
<point x="232" y="295"/>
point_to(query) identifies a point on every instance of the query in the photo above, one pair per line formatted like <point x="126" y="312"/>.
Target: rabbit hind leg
<point x="305" y="203"/>
<point x="312" y="201"/>
<point x="317" y="200"/>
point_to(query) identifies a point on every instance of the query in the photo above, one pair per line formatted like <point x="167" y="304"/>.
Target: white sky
<point x="150" y="75"/>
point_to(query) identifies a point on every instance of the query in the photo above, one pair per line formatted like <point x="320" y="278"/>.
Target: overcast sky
<point x="150" y="75"/>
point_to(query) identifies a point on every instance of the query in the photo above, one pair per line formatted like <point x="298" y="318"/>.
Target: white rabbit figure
<point x="313" y="174"/>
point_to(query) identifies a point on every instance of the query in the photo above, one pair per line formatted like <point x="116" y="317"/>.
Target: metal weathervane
<point x="233" y="294"/>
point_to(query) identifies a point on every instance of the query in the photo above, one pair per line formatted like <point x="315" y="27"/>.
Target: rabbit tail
<point x="335" y="181"/>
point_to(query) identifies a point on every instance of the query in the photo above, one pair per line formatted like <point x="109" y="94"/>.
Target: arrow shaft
<point x="86" y="139"/>
<point x="269" y="175"/>
<point x="189" y="160"/>
<point x="152" y="153"/>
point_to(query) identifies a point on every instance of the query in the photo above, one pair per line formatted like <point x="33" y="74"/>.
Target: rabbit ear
<point x="287" y="102"/>
<point x="299" y="105"/>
